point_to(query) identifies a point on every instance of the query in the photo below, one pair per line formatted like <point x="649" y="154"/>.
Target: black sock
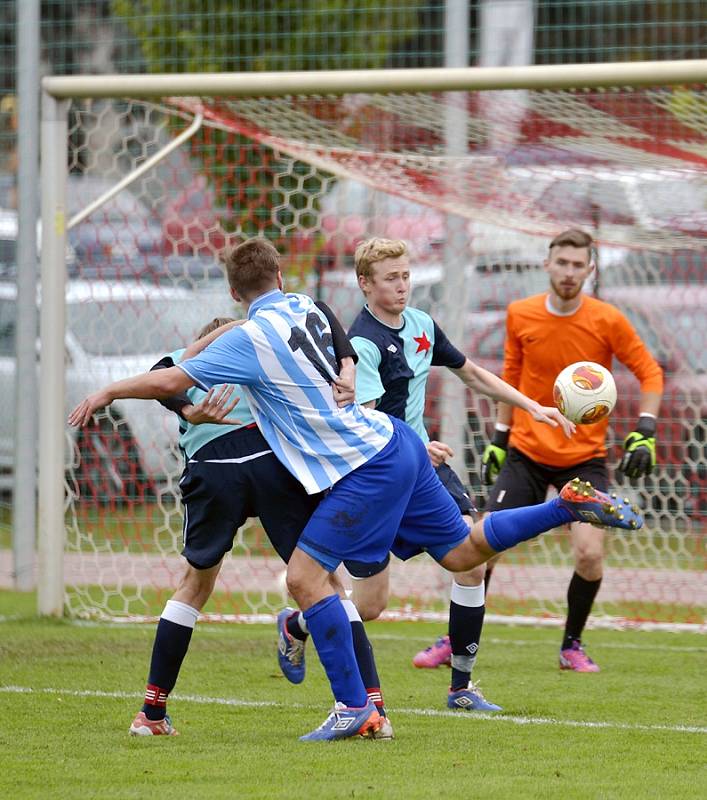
<point x="170" y="647"/>
<point x="580" y="598"/>
<point x="367" y="664"/>
<point x="465" y="624"/>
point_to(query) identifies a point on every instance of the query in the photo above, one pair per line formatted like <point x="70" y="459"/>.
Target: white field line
<point x="392" y="637"/>
<point x="417" y="712"/>
<point x="602" y="623"/>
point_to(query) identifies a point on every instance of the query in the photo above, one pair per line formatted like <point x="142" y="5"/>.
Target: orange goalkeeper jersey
<point x="539" y="344"/>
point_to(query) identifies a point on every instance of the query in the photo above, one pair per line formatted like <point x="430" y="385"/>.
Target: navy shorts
<point x="524" y="482"/>
<point x="234" y="477"/>
<point x="396" y="499"/>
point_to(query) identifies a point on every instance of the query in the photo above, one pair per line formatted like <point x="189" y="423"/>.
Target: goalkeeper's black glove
<point x="494" y="457"/>
<point x="639" y="450"/>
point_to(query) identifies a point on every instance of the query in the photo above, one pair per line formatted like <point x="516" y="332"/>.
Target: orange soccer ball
<point x="585" y="392"/>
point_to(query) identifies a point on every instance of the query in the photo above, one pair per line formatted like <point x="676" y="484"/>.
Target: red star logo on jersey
<point x="423" y="343"/>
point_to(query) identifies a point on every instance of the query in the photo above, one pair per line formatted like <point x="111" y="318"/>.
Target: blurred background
<point x="317" y="176"/>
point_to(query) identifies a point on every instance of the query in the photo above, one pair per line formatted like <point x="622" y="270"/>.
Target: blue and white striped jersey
<point x="284" y="360"/>
<point x="194" y="437"/>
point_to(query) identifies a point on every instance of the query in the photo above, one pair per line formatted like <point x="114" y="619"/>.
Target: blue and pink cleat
<point x="345" y="722"/>
<point x="587" y="504"/>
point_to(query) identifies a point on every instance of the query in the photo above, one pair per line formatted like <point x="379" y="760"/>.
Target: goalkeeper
<point x="544" y="334"/>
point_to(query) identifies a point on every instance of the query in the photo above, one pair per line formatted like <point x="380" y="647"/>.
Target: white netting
<point x="318" y="174"/>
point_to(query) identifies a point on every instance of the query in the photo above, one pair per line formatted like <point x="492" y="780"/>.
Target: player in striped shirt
<point x="231" y="474"/>
<point x="381" y="484"/>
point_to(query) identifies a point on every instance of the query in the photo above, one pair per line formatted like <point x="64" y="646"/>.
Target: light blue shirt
<point x="283" y="358"/>
<point x="193" y="437"/>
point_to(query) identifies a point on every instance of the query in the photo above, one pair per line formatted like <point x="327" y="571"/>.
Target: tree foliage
<point x="233" y="36"/>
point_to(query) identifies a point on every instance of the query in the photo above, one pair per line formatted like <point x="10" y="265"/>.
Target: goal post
<point x="274" y="151"/>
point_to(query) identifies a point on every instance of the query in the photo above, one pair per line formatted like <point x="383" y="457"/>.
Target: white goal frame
<point x="56" y="94"/>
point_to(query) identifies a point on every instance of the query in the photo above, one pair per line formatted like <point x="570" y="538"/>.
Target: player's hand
<point x="83" y="412"/>
<point x="344" y="387"/>
<point x="214" y="408"/>
<point x="552" y="416"/>
<point x="439" y="452"/>
<point x="494" y="457"/>
<point x="639" y="457"/>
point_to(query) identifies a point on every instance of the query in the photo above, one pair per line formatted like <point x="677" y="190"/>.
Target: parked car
<point x="8" y="245"/>
<point x="648" y="222"/>
<point x="114" y="329"/>
<point x="671" y="322"/>
<point x="124" y="229"/>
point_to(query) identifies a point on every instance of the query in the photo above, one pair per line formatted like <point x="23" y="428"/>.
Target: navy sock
<point x="331" y="633"/>
<point x="367" y="664"/>
<point x="466" y="619"/>
<point x="170" y="647"/>
<point x="294" y="628"/>
<point x="504" y="529"/>
<point x="580" y="598"/>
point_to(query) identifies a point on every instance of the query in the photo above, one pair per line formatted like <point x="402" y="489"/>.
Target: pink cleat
<point x="576" y="659"/>
<point x="438" y="655"/>
<point x="142" y="726"/>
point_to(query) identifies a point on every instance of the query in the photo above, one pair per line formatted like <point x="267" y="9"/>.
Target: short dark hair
<point x="573" y="237"/>
<point x="252" y="267"/>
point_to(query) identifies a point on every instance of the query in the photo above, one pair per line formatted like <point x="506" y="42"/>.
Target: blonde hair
<point x="216" y="322"/>
<point x="371" y="251"/>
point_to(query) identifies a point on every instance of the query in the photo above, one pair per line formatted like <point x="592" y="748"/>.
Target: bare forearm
<point x="504" y="414"/>
<point x="650" y="403"/>
<point x="485" y="382"/>
<point x="154" y="385"/>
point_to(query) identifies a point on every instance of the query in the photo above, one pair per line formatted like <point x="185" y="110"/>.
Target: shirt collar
<point x="385" y="324"/>
<point x="273" y="296"/>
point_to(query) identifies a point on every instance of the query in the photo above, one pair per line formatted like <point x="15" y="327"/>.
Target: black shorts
<point x="404" y="550"/>
<point x="234" y="477"/>
<point x="524" y="482"/>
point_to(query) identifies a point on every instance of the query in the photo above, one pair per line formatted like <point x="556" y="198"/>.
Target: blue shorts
<point x="395" y="498"/>
<point x="234" y="477"/>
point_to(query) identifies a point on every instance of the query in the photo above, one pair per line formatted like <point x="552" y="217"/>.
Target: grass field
<point x="68" y="693"/>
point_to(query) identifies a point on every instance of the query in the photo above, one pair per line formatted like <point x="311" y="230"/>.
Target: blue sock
<point x="504" y="529"/>
<point x="331" y="633"/>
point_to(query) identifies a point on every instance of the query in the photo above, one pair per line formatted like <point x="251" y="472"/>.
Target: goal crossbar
<point x="336" y="82"/>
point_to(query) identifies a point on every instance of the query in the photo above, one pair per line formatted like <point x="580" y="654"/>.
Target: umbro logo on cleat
<point x="463" y="702"/>
<point x="342" y="723"/>
<point x="590" y="516"/>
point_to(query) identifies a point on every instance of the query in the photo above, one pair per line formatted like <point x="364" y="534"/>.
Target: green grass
<point x="58" y="743"/>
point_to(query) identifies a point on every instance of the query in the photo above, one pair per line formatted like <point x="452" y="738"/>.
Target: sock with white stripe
<point x="172" y="639"/>
<point x="466" y="618"/>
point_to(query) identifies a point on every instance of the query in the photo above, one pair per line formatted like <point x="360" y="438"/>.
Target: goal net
<point x="477" y="183"/>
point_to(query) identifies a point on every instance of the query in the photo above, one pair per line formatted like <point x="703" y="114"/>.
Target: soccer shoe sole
<point x="587" y="504"/>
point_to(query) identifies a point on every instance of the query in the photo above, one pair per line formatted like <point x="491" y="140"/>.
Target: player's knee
<point x="371" y="608"/>
<point x="589" y="558"/>
<point x="472" y="577"/>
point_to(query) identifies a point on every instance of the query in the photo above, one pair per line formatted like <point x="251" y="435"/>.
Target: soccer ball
<point x="585" y="392"/>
